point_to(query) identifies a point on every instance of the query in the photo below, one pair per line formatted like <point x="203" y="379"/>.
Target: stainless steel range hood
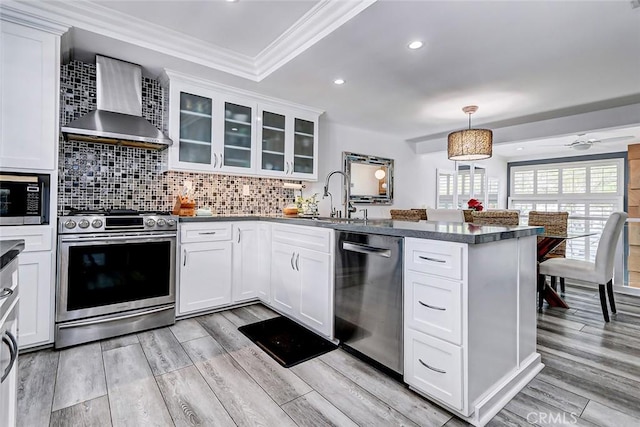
<point x="118" y="119"/>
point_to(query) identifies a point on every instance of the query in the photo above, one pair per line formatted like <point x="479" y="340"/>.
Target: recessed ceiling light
<point x="417" y="44"/>
<point x="519" y="148"/>
<point x="339" y="81"/>
<point x="231" y="1"/>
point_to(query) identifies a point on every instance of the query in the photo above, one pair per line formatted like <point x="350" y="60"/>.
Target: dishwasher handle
<point x="366" y="249"/>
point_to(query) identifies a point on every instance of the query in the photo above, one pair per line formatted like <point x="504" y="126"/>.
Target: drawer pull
<point x="433" y="307"/>
<point x="207" y="232"/>
<point x="426" y="258"/>
<point x="5" y="292"/>
<point x="440" y="371"/>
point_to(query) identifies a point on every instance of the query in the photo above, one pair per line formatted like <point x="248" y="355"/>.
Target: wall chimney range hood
<point x="118" y="118"/>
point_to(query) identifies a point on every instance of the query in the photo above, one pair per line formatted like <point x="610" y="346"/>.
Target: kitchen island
<point x="467" y="309"/>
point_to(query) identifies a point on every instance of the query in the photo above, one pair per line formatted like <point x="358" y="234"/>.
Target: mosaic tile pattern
<point x="99" y="176"/>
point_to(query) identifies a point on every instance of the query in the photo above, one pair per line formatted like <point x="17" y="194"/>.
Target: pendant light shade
<point x="470" y="144"/>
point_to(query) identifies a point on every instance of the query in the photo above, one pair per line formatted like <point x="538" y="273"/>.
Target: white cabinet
<point x="211" y="132"/>
<point x="264" y="262"/>
<point x="288" y="144"/>
<point x="246" y="261"/>
<point x="205" y="266"/>
<point x="301" y="278"/>
<point x="29" y="96"/>
<point x="35" y="313"/>
<point x="37" y="284"/>
<point x="220" y="129"/>
<point x="205" y="276"/>
<point x="469" y="323"/>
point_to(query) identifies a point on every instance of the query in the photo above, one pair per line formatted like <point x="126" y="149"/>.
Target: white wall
<point x="496" y="166"/>
<point x="409" y="186"/>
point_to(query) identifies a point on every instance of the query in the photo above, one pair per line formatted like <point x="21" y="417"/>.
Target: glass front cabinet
<point x="288" y="144"/>
<point x="219" y="132"/>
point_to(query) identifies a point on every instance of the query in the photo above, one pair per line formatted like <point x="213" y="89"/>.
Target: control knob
<point x="69" y="224"/>
<point x="83" y="223"/>
<point x="162" y="222"/>
<point x="150" y="222"/>
<point x="96" y="223"/>
<point x="171" y="222"/>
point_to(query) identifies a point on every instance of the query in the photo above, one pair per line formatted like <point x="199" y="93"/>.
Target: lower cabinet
<point x="246" y="261"/>
<point x="36" y="293"/>
<point x="226" y="263"/>
<point x="205" y="276"/>
<point x="37" y="284"/>
<point x="302" y="283"/>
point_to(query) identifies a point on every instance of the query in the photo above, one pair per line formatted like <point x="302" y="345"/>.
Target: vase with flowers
<point x="475" y="205"/>
<point x="307" y="206"/>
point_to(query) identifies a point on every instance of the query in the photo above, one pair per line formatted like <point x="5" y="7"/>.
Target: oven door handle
<point x="105" y="239"/>
<point x="111" y="319"/>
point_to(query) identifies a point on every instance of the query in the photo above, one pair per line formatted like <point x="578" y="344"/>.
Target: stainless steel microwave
<point x="24" y="198"/>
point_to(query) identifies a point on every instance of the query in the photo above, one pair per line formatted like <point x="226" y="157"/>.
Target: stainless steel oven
<point x="116" y="276"/>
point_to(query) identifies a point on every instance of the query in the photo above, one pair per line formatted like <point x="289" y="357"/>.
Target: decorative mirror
<point x="370" y="178"/>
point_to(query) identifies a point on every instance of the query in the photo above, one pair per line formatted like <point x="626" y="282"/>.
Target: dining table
<point x="547" y="243"/>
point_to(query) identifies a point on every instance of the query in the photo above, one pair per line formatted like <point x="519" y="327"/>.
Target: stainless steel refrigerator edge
<point x="368" y="296"/>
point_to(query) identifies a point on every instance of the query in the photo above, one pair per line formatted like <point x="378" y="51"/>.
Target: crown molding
<point x="320" y="21"/>
<point x="8" y="12"/>
<point x="169" y="75"/>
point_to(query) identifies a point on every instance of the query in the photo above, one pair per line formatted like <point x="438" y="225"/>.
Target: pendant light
<point x="469" y="144"/>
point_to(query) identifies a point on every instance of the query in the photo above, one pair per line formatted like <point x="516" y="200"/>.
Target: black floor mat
<point x="285" y="341"/>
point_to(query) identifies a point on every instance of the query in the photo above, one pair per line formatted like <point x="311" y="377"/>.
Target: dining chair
<point x="446" y="215"/>
<point x="599" y="272"/>
<point x="556" y="224"/>
<point x="422" y="212"/>
<point x="468" y="215"/>
<point x="405" y="215"/>
<point x="497" y="217"/>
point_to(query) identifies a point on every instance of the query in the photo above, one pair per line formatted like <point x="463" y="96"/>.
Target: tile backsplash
<point x="99" y="176"/>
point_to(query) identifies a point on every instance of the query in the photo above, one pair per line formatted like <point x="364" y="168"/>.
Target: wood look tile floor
<point x="202" y="371"/>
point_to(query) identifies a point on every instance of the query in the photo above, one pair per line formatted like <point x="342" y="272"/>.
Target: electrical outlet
<point x="245" y="190"/>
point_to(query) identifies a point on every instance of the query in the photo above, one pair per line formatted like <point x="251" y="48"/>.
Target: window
<point x="589" y="190"/>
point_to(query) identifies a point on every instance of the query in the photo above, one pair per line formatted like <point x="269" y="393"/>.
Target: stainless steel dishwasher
<point x="368" y="297"/>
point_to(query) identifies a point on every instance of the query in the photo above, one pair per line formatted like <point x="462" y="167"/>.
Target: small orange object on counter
<point x="184" y="206"/>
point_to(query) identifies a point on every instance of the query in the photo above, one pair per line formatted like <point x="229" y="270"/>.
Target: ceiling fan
<point x="584" y="143"/>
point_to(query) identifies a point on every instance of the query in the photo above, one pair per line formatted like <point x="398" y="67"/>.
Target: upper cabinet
<point x="222" y="130"/>
<point x="288" y="145"/>
<point x="29" y="96"/>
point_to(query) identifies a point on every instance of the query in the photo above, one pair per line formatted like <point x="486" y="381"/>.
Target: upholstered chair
<point x="556" y="224"/>
<point x="599" y="272"/>
<point x="498" y="217"/>
<point x="445" y="215"/>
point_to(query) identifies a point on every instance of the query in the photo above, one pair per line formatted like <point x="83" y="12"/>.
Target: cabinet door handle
<point x="440" y="371"/>
<point x="239" y="234"/>
<point x="291" y="261"/>
<point x="286" y="168"/>
<point x="426" y="258"/>
<point x="215" y="160"/>
<point x="13" y="351"/>
<point x="433" y="307"/>
<point x="297" y="259"/>
<point x="221" y="160"/>
<point x="184" y="263"/>
<point x="5" y="292"/>
<point x="206" y="232"/>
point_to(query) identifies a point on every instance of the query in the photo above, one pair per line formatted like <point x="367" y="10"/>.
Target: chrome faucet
<point x="348" y="207"/>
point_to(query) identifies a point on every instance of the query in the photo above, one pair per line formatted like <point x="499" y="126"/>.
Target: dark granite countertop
<point x="448" y="231"/>
<point x="9" y="249"/>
